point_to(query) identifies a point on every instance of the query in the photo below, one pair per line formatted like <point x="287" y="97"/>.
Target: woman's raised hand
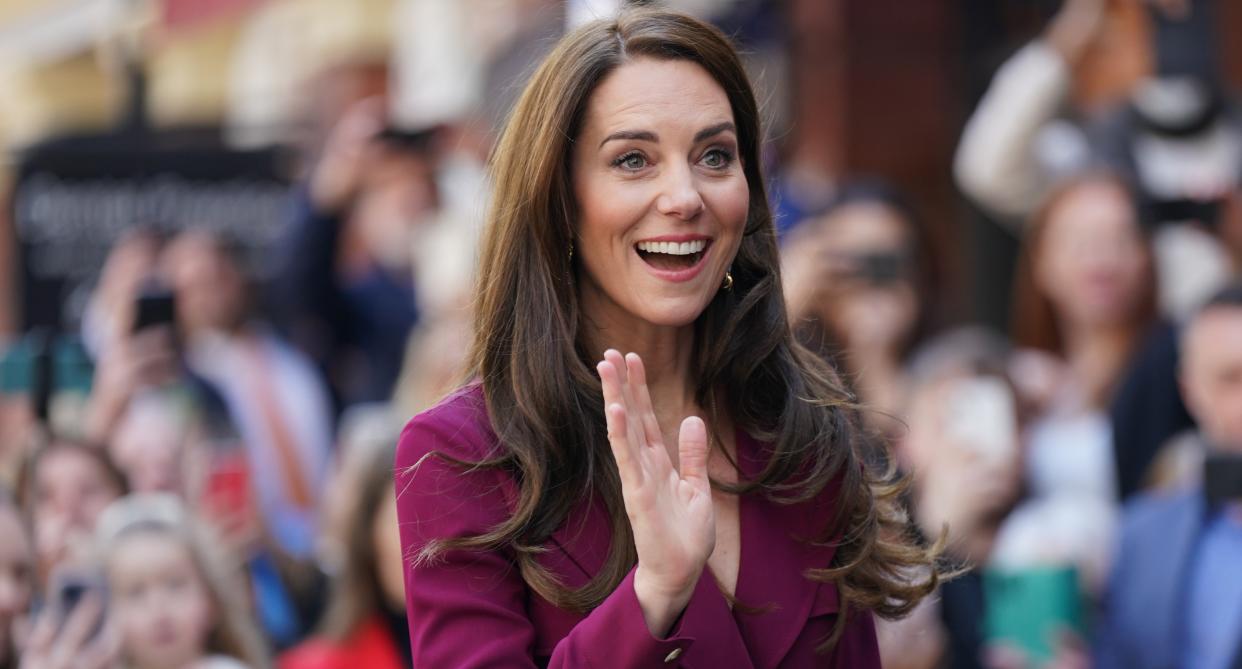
<point x="670" y="512"/>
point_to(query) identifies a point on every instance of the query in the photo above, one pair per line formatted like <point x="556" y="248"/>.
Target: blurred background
<point x="238" y="238"/>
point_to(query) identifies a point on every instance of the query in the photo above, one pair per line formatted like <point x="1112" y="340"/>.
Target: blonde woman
<point x="172" y="597"/>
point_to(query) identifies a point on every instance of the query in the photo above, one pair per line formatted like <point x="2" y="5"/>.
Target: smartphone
<point x="69" y="589"/>
<point x="227" y="489"/>
<point x="155" y="306"/>
<point x="980" y="414"/>
<point x="879" y="268"/>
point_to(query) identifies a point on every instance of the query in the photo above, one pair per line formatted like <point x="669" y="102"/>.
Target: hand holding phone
<point x="71" y="631"/>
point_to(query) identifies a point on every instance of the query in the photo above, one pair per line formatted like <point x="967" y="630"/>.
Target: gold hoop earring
<point x="728" y="281"/>
<point x="571" y="250"/>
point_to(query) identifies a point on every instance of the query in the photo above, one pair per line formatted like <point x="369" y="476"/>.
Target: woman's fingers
<point x="37" y="638"/>
<point x="102" y="652"/>
<point x="613" y="357"/>
<point x="79" y="626"/>
<point x="618" y="439"/>
<point x="618" y="424"/>
<point x="642" y="399"/>
<point x="692" y="452"/>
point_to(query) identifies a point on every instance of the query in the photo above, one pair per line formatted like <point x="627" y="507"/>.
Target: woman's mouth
<point x="672" y="256"/>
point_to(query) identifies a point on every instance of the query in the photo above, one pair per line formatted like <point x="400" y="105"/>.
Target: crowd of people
<point x="223" y="495"/>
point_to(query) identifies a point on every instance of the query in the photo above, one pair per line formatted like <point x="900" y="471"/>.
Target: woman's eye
<point x="631" y="161"/>
<point x="717" y="159"/>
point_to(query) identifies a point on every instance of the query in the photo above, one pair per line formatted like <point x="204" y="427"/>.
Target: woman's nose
<point x="680" y="197"/>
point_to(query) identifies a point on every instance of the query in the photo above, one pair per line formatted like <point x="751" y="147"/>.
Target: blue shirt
<point x="1214" y="602"/>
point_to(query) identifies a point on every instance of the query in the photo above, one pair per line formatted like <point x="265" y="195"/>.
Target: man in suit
<point x="1175" y="593"/>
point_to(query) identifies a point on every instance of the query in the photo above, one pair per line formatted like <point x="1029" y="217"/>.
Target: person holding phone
<point x="857" y="281"/>
<point x="707" y="499"/>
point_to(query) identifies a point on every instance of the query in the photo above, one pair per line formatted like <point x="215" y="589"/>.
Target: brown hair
<point x="356" y="590"/>
<point x="1033" y="321"/>
<point x="541" y="390"/>
<point x="26" y="480"/>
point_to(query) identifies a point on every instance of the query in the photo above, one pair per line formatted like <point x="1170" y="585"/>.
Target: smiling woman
<point x="707" y="499"/>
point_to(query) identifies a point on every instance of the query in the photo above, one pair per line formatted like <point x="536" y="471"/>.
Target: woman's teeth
<point x="672" y="256"/>
<point x="673" y="248"/>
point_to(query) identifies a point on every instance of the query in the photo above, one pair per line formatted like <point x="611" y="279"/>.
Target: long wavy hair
<point x="543" y="396"/>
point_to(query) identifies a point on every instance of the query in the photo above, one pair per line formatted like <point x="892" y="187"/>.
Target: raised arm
<point x="997" y="164"/>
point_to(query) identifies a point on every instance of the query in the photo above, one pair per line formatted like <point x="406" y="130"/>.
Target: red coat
<point x="470" y="609"/>
<point x="370" y="646"/>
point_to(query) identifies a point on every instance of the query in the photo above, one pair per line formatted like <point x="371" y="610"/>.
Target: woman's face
<point x="661" y="195"/>
<point x="149" y="447"/>
<point x="870" y="298"/>
<point x="16" y="576"/>
<point x="209" y="286"/>
<point x="158" y="601"/>
<point x="70" y="490"/>
<point x="1092" y="260"/>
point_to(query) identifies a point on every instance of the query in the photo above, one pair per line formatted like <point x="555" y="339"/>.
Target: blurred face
<point x="210" y="289"/>
<point x="1211" y="375"/>
<point x="387" y="540"/>
<point x="16" y="575"/>
<point x="870" y="299"/>
<point x="147" y="446"/>
<point x="398" y="195"/>
<point x="158" y="601"/>
<point x="662" y="199"/>
<point x="70" y="490"/>
<point x="1092" y="260"/>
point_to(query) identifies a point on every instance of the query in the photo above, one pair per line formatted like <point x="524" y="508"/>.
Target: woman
<point x="857" y="280"/>
<point x="63" y="488"/>
<point x="1085" y="296"/>
<point x="736" y="522"/>
<point x="172" y="598"/>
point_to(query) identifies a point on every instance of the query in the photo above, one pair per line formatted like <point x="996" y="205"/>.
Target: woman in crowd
<point x="1084" y="297"/>
<point x="172" y="600"/>
<point x="544" y="526"/>
<point x="856" y="284"/>
<point x="64" y="487"/>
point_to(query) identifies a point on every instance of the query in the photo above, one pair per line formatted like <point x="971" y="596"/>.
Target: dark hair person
<point x="719" y="506"/>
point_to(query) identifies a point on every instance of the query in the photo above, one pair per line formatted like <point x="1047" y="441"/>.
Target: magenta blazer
<point x="472" y="609"/>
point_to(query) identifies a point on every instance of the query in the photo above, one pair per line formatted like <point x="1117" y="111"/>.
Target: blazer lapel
<point x="775" y="599"/>
<point x="581" y="545"/>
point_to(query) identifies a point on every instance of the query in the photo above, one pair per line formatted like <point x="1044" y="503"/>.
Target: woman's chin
<point x="673" y="312"/>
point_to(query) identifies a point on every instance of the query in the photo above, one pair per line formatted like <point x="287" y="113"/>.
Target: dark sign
<point x="74" y="198"/>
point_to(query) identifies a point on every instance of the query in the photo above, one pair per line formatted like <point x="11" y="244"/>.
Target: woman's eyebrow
<point x="714" y="130"/>
<point x="644" y="135"/>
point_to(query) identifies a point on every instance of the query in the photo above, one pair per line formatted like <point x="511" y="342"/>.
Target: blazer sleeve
<point x="469" y="608"/>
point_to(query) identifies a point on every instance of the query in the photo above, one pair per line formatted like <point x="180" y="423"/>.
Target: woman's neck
<point x="666" y="352"/>
<point x="1096" y="355"/>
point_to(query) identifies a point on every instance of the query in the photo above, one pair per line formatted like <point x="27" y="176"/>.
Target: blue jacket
<point x="1142" y="620"/>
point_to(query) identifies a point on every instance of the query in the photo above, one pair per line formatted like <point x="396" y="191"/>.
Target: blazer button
<point x="673" y="655"/>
